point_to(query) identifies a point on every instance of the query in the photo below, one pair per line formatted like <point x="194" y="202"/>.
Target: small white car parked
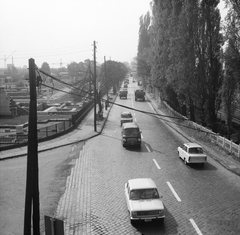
<point x="143" y="200"/>
<point x="192" y="153"/>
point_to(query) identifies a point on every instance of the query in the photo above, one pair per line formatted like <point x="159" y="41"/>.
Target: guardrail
<point x="224" y="143"/>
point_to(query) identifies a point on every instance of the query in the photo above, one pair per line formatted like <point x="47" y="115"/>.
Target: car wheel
<point x="132" y="221"/>
<point x="160" y="221"/>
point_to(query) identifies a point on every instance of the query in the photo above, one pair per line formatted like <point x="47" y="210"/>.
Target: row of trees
<point x="109" y="75"/>
<point x="190" y="59"/>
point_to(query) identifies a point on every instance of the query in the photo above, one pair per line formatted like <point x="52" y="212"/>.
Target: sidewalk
<point x="83" y="132"/>
<point x="216" y="152"/>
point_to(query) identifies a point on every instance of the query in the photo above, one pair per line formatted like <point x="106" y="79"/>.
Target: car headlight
<point x="139" y="139"/>
<point x="134" y="213"/>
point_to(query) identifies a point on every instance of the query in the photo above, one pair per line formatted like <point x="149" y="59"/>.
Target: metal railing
<point x="224" y="143"/>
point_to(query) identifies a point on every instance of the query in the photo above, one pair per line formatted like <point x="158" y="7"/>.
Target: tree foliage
<point x="111" y="74"/>
<point x="185" y="55"/>
<point x="46" y="68"/>
<point x="230" y="88"/>
<point x="143" y="55"/>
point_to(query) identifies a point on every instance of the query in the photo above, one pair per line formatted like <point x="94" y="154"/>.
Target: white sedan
<point x="143" y="200"/>
<point x="192" y="153"/>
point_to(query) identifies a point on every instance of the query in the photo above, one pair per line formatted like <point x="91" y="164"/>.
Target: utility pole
<point x="105" y="68"/>
<point x="32" y="184"/>
<point x="90" y="80"/>
<point x="95" y="88"/>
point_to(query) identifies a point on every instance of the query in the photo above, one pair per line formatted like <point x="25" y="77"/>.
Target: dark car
<point x="123" y="94"/>
<point x="131" y="134"/>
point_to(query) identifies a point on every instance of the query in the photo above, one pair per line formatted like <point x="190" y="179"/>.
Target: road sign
<point x="53" y="226"/>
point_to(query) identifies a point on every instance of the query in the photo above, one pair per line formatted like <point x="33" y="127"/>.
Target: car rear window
<point x="126" y="115"/>
<point x="195" y="150"/>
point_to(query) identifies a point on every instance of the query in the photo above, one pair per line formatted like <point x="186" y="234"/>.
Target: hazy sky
<point x="64" y="30"/>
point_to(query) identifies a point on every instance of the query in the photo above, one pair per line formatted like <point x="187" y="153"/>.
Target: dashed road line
<point x="195" y="227"/>
<point x="156" y="164"/>
<point x="148" y="149"/>
<point x="174" y="192"/>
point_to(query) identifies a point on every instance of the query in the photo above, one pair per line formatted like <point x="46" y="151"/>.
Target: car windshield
<point x="126" y="115"/>
<point x="131" y="131"/>
<point x="195" y="150"/>
<point x="144" y="194"/>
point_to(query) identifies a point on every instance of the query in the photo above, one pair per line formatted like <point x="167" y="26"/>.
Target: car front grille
<point x="149" y="213"/>
<point x="132" y="140"/>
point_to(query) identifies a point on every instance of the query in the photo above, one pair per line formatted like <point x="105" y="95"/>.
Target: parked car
<point x="126" y="117"/>
<point x="131" y="134"/>
<point x="143" y="200"/>
<point x="192" y="153"/>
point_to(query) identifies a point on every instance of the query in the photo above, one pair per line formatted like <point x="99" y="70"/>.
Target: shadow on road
<point x="169" y="226"/>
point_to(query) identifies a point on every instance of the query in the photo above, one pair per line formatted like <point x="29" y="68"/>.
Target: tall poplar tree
<point x="143" y="63"/>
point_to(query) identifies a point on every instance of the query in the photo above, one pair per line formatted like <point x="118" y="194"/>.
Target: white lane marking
<point x="73" y="147"/>
<point x="156" y="164"/>
<point x="135" y="119"/>
<point x="148" y="149"/>
<point x="196" y="227"/>
<point x="174" y="192"/>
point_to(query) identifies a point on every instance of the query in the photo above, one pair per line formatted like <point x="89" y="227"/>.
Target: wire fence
<point x="43" y="132"/>
<point x="46" y="131"/>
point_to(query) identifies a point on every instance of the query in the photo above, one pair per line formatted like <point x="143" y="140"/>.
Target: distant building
<point x="64" y="75"/>
<point x="5" y="103"/>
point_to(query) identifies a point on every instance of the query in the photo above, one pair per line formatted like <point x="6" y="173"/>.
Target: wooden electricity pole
<point x="105" y="69"/>
<point x="95" y="87"/>
<point x="32" y="185"/>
